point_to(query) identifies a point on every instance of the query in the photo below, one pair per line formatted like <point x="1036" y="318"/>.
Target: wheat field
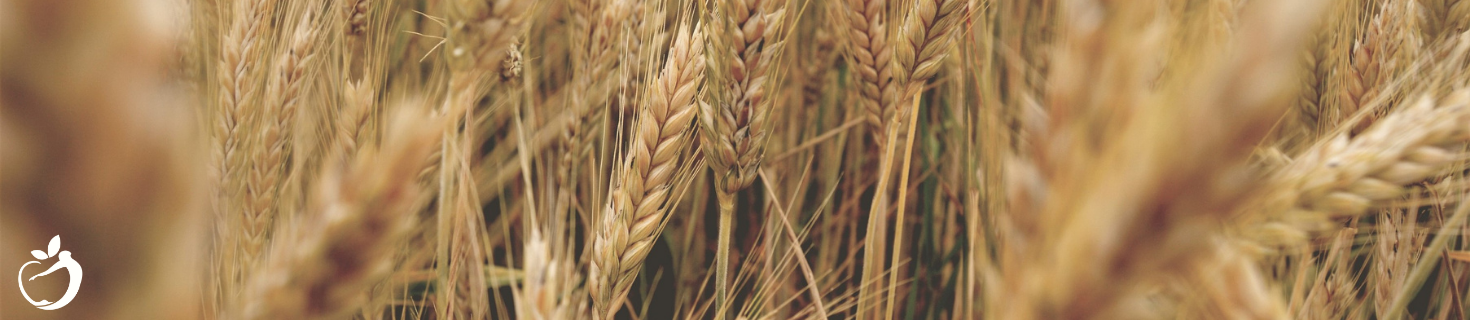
<point x="740" y="159"/>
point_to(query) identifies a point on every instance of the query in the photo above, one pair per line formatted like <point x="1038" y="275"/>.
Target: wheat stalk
<point x="743" y="49"/>
<point x="650" y="174"/>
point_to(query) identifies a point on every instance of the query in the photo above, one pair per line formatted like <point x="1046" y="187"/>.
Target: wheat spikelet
<point x="650" y="174"/>
<point x="356" y="17"/>
<point x="349" y="129"/>
<point x="1333" y="291"/>
<point x="817" y="64"/>
<point x="360" y="212"/>
<point x="1319" y="61"/>
<point x="550" y="268"/>
<point x="1457" y="17"/>
<point x="601" y="41"/>
<point x="550" y="281"/>
<point x="1232" y="283"/>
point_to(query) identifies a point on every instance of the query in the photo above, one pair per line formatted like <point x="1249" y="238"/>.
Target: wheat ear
<point x="269" y="163"/>
<point x="870" y="57"/>
<point x="360" y="212"/>
<point x="1315" y="60"/>
<point x="650" y="174"/>
<point x="1377" y="58"/>
<point x="923" y="41"/>
<point x="1343" y="176"/>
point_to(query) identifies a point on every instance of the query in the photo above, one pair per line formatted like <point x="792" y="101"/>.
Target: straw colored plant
<point x="741" y="159"/>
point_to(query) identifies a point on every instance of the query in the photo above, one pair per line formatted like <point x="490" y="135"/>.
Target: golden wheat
<point x="740" y="159"/>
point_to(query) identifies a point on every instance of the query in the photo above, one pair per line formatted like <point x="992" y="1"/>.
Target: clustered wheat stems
<point x="742" y="159"/>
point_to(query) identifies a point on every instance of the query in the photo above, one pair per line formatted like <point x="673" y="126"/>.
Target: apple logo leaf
<point x="38" y="254"/>
<point x="55" y="245"/>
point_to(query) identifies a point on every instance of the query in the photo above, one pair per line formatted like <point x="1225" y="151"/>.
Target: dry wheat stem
<point x="637" y="207"/>
<point x="898" y="224"/>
